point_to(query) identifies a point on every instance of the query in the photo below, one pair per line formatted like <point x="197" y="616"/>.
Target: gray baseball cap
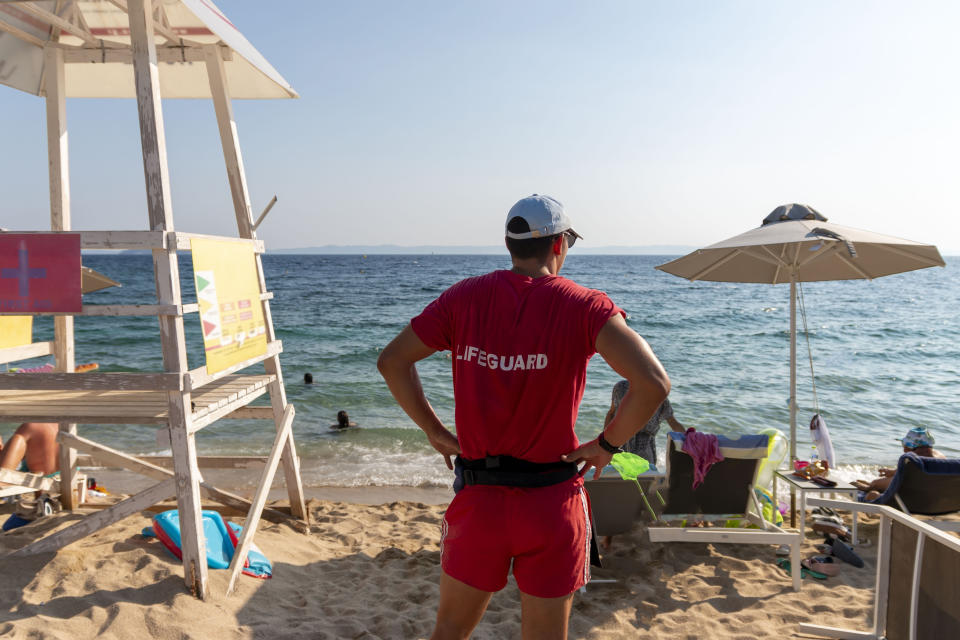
<point x="544" y="215"/>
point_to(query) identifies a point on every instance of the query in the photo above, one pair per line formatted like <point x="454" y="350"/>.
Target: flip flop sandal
<point x="826" y="511"/>
<point x="826" y="568"/>
<point x="783" y="550"/>
<point x="824" y="548"/>
<point x="833" y="519"/>
<point x="784" y="564"/>
<point x="847" y="554"/>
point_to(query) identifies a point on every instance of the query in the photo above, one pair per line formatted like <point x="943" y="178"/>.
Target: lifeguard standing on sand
<point x="521" y="340"/>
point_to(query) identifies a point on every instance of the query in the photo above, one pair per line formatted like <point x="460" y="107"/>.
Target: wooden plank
<point x="122" y="54"/>
<point x="142" y="240"/>
<point x="21" y="34"/>
<point x="31" y="481"/>
<point x="158" y="27"/>
<point x="181" y="240"/>
<point x="25" y="352"/>
<point x="97" y="521"/>
<point x="250" y="413"/>
<point x="167" y="275"/>
<point x="112" y="457"/>
<point x="131" y="310"/>
<point x="91" y="381"/>
<point x="204" y="462"/>
<point x="120" y="310"/>
<point x="260" y="498"/>
<point x="198" y="378"/>
<point x="60" y="220"/>
<point x="224" y="410"/>
<point x="228" y="141"/>
<point x="56" y="21"/>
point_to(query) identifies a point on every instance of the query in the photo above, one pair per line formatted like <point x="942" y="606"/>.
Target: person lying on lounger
<point x="918" y="440"/>
<point x="33" y="447"/>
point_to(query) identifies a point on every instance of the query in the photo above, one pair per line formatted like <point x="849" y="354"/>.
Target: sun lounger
<point x="727" y="492"/>
<point x="917" y="590"/>
<point x="617" y="503"/>
<point x="927" y="486"/>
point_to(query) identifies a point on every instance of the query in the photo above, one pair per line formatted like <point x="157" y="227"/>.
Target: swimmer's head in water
<point x="308" y="378"/>
<point x="343" y="419"/>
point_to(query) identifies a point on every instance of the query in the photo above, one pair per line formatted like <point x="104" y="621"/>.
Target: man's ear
<point x="558" y="245"/>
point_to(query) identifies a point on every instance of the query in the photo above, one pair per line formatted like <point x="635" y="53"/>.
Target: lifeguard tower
<point x="145" y="49"/>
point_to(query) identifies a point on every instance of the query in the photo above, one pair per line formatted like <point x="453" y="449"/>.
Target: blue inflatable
<point x="222" y="539"/>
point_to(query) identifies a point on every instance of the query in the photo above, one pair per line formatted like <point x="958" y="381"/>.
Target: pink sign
<point x="40" y="273"/>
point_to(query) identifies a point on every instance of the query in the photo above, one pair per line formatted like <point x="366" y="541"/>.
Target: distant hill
<point x="660" y="250"/>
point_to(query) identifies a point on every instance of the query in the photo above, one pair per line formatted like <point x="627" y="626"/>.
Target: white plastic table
<point x="804" y="487"/>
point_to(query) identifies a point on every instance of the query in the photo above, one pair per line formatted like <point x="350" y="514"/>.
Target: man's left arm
<point x="397" y="365"/>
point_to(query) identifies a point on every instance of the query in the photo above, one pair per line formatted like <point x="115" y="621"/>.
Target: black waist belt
<point x="513" y="472"/>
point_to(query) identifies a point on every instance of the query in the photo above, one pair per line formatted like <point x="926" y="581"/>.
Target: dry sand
<point x="369" y="570"/>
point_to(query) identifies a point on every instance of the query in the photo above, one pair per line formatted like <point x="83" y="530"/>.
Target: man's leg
<point x="37" y="441"/>
<point x="545" y="618"/>
<point x="461" y="607"/>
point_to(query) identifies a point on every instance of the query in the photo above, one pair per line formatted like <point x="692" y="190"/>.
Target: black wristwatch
<point x="606" y="446"/>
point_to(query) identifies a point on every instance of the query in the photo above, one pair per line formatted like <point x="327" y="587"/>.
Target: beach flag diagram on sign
<point x="40" y="273"/>
<point x="228" y="295"/>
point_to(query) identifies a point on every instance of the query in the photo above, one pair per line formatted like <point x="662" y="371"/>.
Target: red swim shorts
<point x="545" y="531"/>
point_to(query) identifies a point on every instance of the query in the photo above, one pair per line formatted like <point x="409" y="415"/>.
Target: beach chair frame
<point x="933" y="591"/>
<point x="749" y="508"/>
<point x="182" y="400"/>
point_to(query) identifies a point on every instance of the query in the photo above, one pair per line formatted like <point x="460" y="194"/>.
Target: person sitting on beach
<point x="32" y="448"/>
<point x="521" y="340"/>
<point x="918" y="440"/>
<point x="643" y="443"/>
<point x="343" y="421"/>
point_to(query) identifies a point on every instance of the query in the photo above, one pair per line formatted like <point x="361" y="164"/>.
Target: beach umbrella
<point x="91" y="281"/>
<point x="795" y="243"/>
<point x="94" y="38"/>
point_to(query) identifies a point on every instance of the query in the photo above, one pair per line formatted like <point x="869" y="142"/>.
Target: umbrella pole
<point x="793" y="393"/>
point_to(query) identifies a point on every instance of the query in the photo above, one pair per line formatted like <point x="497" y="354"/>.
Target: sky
<point x="655" y="123"/>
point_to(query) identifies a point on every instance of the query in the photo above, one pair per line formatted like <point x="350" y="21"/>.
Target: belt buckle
<point x="491" y="462"/>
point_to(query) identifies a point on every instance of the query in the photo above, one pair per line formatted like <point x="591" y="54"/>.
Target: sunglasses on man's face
<point x="571" y="239"/>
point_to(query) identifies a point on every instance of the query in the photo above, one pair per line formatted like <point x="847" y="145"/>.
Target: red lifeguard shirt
<point x="520" y="348"/>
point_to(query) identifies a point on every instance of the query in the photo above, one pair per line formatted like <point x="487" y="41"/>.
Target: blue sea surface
<point x="886" y="354"/>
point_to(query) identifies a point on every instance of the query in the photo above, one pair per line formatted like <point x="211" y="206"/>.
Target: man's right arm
<point x="397" y="365"/>
<point x="630" y="356"/>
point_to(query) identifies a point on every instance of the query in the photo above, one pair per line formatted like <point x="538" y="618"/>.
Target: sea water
<point x="886" y="357"/>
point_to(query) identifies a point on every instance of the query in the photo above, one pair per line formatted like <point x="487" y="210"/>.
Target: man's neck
<point x="537" y="268"/>
<point x="532" y="271"/>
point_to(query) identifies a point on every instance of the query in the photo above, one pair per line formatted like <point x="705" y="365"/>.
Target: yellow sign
<point x="228" y="293"/>
<point x="15" y="331"/>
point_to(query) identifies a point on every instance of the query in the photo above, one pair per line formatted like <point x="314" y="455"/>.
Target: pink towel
<point x="704" y="448"/>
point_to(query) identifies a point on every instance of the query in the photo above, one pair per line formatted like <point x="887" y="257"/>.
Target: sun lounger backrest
<point x="726" y="487"/>
<point x="937" y="612"/>
<point x="927" y="486"/>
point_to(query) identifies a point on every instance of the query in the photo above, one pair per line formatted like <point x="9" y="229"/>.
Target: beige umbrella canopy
<point x="94" y="36"/>
<point x="91" y="281"/>
<point x="794" y="244"/>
